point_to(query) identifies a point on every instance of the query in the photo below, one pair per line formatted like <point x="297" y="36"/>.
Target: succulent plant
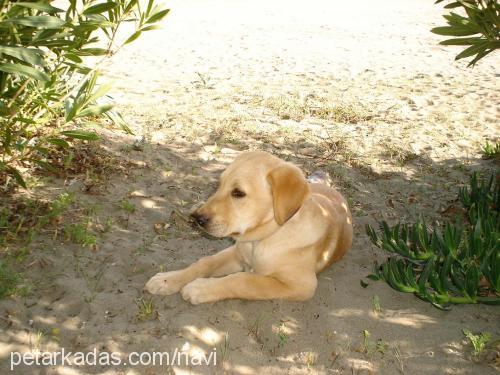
<point x="451" y="263"/>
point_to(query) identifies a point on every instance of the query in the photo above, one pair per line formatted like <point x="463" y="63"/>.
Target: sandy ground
<point x="362" y="91"/>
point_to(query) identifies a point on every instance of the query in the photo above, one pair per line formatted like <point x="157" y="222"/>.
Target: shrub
<point x="48" y="94"/>
<point x="479" y="29"/>
<point x="450" y="264"/>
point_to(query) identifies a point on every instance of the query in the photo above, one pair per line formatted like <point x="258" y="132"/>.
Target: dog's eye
<point x="237" y="193"/>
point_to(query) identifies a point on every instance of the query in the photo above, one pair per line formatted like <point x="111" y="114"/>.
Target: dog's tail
<point x="319" y="177"/>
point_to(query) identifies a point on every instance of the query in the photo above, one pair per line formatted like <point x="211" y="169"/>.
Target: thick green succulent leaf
<point x="424" y="276"/>
<point x="410" y="277"/>
<point x="396" y="279"/>
<point x="445" y="273"/>
<point x="472" y="281"/>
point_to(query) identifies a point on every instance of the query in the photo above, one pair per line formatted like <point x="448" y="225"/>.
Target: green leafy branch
<point x="479" y="28"/>
<point x="47" y="92"/>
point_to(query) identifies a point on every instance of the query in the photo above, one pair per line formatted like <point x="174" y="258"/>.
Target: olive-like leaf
<point x="17" y="176"/>
<point x="58" y="142"/>
<point x="24" y="70"/>
<point x="453" y="31"/>
<point x="100" y="8"/>
<point x="91" y="52"/>
<point x="158" y="16"/>
<point x="33" y="56"/>
<point x="94" y="110"/>
<point x="80" y="134"/>
<point x="39" y="5"/>
<point x="472" y="50"/>
<point x="461" y="41"/>
<point x="41" y="22"/>
<point x="44" y="165"/>
<point x="133" y="37"/>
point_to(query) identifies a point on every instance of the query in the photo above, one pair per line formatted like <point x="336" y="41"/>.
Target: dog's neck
<point x="260" y="232"/>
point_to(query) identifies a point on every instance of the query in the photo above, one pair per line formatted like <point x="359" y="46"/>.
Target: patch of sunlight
<point x="50" y="320"/>
<point x="347" y="313"/>
<point x="206" y="335"/>
<point x="72" y="323"/>
<point x="409" y="320"/>
<point x="69" y="371"/>
<point x="193" y="351"/>
<point x="242" y="370"/>
<point x="288" y="327"/>
<point x="6" y="349"/>
<point x="148" y="203"/>
<point x="361" y="365"/>
<point x="179" y="371"/>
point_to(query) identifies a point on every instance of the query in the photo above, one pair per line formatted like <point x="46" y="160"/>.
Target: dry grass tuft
<point x="22" y="217"/>
<point x="229" y="130"/>
<point x="296" y="108"/>
<point x="398" y="154"/>
<point x="286" y="107"/>
<point x="83" y="157"/>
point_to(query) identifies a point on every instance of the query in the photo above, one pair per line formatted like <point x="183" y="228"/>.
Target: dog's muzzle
<point x="200" y="219"/>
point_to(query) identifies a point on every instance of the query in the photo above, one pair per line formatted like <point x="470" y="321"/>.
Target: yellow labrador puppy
<point x="286" y="231"/>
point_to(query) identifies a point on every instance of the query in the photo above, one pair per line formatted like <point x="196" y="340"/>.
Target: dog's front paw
<point x="165" y="283"/>
<point x="199" y="291"/>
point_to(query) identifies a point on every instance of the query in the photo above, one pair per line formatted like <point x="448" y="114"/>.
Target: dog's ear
<point x="289" y="188"/>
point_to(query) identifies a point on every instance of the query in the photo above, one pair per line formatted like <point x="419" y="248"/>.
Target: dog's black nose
<point x="200" y="219"/>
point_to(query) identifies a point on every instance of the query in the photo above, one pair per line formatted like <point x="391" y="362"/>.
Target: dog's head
<point x="255" y="189"/>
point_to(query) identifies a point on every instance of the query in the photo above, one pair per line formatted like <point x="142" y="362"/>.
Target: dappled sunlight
<point x="368" y="97"/>
<point x="243" y="370"/>
<point x="46" y="320"/>
<point x="362" y="365"/>
<point x="6" y="349"/>
<point x="72" y="371"/>
<point x="206" y="335"/>
<point x="149" y="203"/>
<point x="408" y="319"/>
<point x="286" y="327"/>
<point x="342" y="313"/>
<point x="453" y="348"/>
<point x="324" y="211"/>
<point x="181" y="371"/>
<point x="193" y="351"/>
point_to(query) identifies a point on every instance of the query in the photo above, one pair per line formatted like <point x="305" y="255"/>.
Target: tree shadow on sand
<point x="88" y="299"/>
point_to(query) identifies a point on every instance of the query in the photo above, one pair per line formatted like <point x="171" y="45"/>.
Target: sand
<point x="362" y="91"/>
